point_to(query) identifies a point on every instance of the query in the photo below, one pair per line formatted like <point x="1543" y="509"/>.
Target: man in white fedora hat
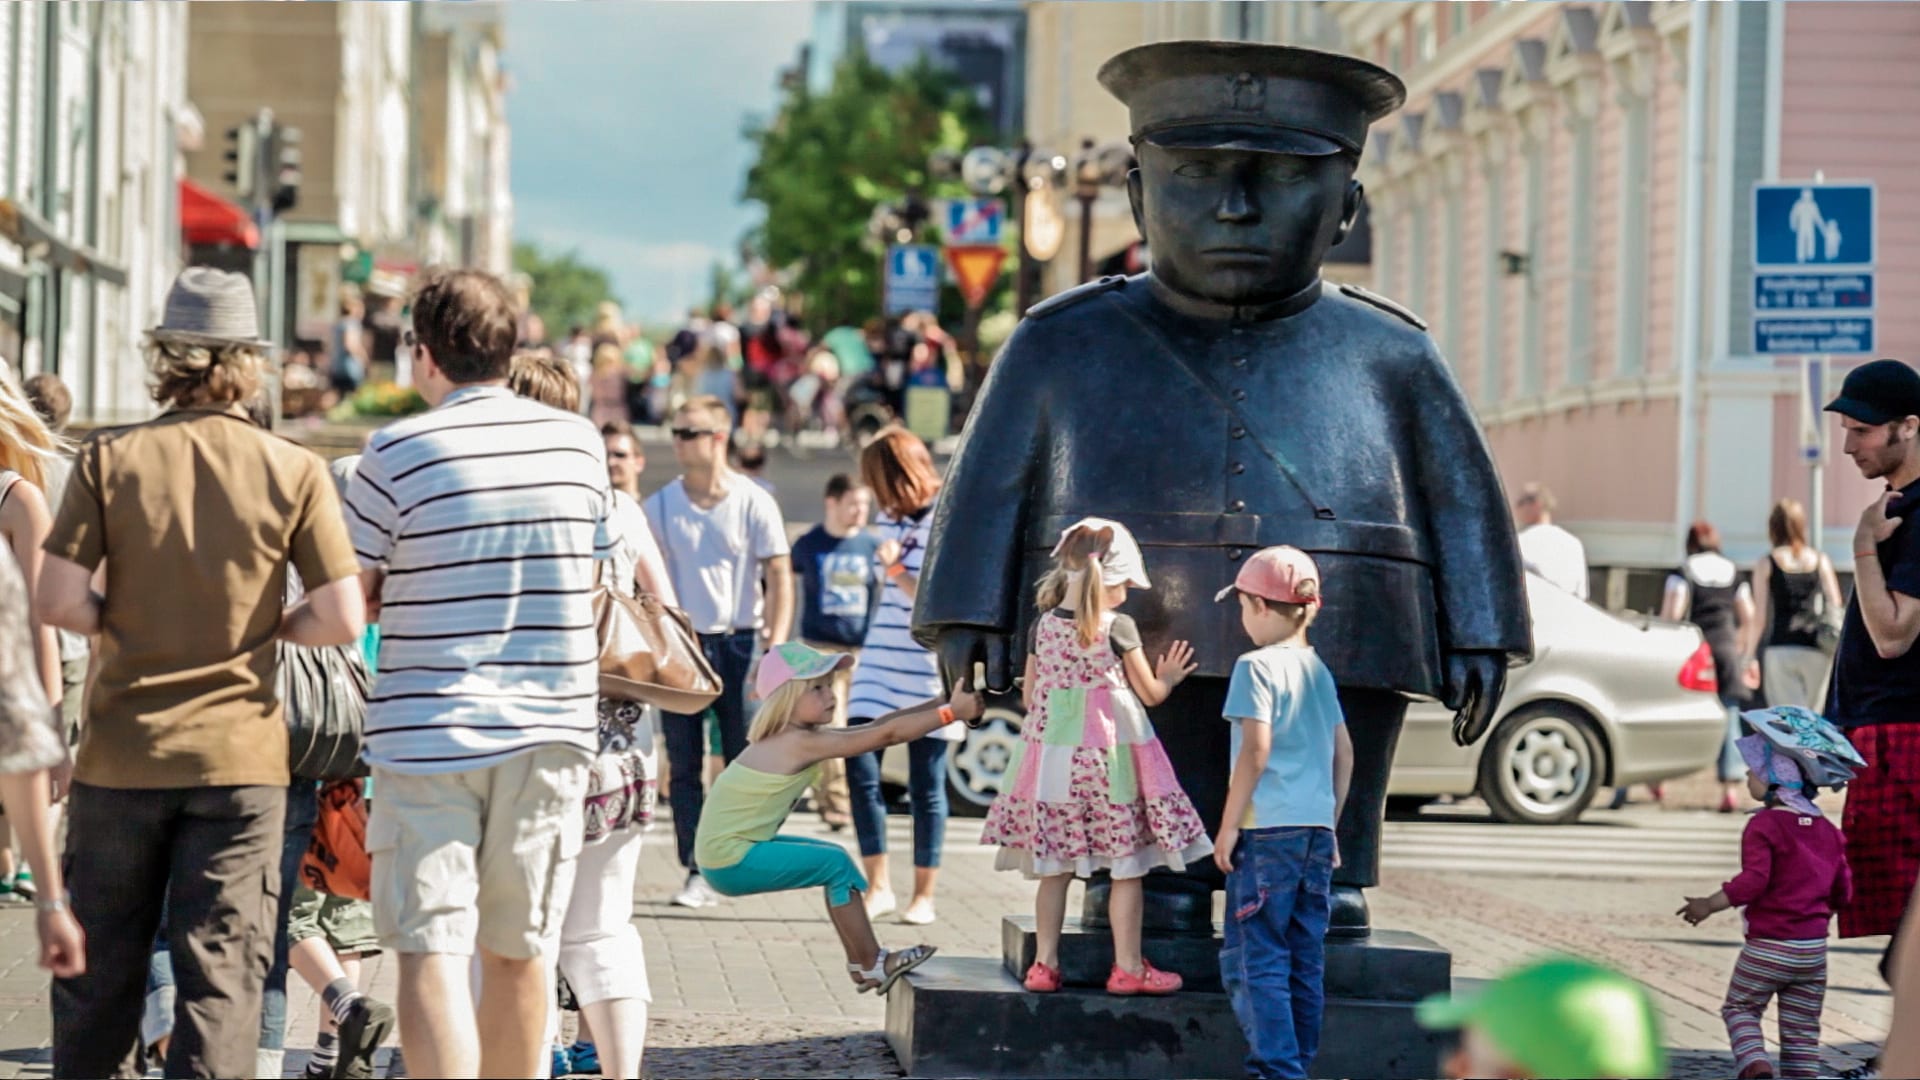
<point x="180" y="785"/>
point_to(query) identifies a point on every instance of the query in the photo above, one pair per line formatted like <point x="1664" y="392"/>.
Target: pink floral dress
<point x="1092" y="788"/>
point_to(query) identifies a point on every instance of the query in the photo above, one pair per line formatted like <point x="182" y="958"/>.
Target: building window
<point x="1417" y="249"/>
<point x="1426" y="39"/>
<point x="1580" y="257"/>
<point x="1456" y="18"/>
<point x="1636" y="160"/>
<point x="1450" y="284"/>
<point x="1493" y="284"/>
<point x="1533" y="243"/>
<point x="1397" y="47"/>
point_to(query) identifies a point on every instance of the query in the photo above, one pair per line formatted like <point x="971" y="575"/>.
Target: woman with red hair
<point x="895" y="672"/>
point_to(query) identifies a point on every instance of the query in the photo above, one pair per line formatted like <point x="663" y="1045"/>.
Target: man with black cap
<point x="1875" y="690"/>
<point x="1229" y="400"/>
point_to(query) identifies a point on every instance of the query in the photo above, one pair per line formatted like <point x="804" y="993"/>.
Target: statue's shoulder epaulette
<point x="1383" y="304"/>
<point x="1075" y="295"/>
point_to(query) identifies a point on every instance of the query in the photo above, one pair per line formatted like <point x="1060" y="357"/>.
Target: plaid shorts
<point x="1883" y="840"/>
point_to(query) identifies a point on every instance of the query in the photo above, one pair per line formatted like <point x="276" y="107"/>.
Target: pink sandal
<point x="1151" y="981"/>
<point x="1042" y="979"/>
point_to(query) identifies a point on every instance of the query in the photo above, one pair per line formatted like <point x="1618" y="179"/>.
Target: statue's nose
<point x="1239" y="205"/>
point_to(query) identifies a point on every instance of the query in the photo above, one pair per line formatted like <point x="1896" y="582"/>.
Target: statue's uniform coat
<point x="1085" y="413"/>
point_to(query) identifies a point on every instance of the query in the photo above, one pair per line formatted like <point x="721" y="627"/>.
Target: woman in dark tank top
<point x="1706" y="591"/>
<point x="1794" y="588"/>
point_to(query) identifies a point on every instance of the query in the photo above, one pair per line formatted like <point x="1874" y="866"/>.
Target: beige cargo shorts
<point x="478" y="858"/>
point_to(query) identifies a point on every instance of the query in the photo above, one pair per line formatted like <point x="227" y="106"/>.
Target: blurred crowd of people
<point x="778" y="378"/>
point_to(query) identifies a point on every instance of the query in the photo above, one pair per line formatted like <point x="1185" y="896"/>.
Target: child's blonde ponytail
<point x="1078" y="553"/>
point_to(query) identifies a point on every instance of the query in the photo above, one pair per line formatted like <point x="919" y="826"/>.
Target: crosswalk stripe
<point x="1668" y="848"/>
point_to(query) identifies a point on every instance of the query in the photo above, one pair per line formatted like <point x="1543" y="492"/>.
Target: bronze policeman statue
<point x="1227" y="400"/>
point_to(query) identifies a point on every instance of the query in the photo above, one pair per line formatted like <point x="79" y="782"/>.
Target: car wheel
<point x="978" y="768"/>
<point x="1542" y="766"/>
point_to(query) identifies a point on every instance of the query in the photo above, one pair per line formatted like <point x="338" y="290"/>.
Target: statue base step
<point x="969" y="1017"/>
<point x="1388" y="965"/>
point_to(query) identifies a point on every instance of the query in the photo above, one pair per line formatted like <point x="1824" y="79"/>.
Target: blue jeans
<point x="1732" y="766"/>
<point x="303" y="810"/>
<point x="1274" y="958"/>
<point x="926" y="787"/>
<point x="731" y="656"/>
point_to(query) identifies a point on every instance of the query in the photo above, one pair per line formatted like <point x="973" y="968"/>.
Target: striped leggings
<point x="1796" y="973"/>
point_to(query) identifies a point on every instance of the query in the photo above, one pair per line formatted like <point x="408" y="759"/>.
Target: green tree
<point x="826" y="160"/>
<point x="565" y="290"/>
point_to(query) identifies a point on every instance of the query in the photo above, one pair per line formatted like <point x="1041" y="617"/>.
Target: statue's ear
<point x="1350" y="209"/>
<point x="1134" y="197"/>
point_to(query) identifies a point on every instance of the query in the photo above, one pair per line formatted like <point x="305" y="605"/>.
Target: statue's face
<point x="1237" y="226"/>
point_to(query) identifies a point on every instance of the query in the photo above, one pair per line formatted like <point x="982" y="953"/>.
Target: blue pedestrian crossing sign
<point x="913" y="278"/>
<point x="1813" y="253"/>
<point x="1797" y="226"/>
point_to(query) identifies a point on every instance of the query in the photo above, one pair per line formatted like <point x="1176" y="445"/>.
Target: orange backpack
<point x="336" y="860"/>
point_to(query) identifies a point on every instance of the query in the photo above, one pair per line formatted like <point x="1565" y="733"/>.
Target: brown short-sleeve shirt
<point x="196" y="515"/>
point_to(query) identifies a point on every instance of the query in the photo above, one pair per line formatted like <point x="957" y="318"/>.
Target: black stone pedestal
<point x="971" y="1017"/>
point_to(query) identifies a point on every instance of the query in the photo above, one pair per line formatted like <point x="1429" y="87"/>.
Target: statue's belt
<point x="1316" y="536"/>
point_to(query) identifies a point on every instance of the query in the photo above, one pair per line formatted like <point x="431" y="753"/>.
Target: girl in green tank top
<point x="739" y="846"/>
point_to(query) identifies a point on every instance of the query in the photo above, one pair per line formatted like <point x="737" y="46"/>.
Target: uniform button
<point x="1233" y="554"/>
<point x="1238" y="432"/>
<point x="1239" y="395"/>
<point x="1236" y="506"/>
<point x="1238" y="468"/>
<point x="1239" y="361"/>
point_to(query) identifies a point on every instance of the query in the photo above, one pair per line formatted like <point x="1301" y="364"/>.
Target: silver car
<point x="1608" y="700"/>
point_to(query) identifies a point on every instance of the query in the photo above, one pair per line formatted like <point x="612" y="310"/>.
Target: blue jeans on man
<point x="1274" y="958"/>
<point x="686" y="736"/>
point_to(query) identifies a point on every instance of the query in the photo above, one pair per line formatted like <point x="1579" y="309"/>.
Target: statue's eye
<point x="1287" y="170"/>
<point x="1196" y="170"/>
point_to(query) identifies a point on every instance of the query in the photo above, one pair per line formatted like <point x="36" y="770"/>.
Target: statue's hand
<point x="961" y="647"/>
<point x="1475" y="681"/>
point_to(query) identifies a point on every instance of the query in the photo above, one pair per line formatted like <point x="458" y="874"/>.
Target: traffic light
<point x="243" y="160"/>
<point x="285" y="162"/>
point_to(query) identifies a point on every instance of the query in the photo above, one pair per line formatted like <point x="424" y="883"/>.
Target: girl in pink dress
<point x="1092" y="788"/>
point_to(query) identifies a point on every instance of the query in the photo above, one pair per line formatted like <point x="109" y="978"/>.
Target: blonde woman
<point x="26" y="446"/>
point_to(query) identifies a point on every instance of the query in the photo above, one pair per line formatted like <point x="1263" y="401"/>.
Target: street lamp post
<point x="1096" y="167"/>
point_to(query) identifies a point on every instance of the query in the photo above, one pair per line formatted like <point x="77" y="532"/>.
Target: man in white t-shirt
<point x="1545" y="548"/>
<point x="722" y="536"/>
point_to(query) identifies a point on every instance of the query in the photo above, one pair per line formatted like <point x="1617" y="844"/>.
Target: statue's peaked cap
<point x="1234" y="95"/>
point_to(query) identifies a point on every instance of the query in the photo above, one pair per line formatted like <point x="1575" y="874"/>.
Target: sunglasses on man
<point x="688" y="434"/>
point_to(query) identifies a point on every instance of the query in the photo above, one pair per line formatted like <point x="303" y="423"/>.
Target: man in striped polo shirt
<point x="477" y="526"/>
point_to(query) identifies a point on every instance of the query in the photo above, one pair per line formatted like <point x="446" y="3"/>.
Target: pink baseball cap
<point x="1282" y="574"/>
<point x="784" y="663"/>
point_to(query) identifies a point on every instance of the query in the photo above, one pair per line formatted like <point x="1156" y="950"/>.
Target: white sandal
<point x="889" y="967"/>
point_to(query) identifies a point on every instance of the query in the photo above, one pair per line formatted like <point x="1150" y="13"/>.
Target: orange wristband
<point x="1858" y="555"/>
<point x="897" y="570"/>
<point x="946" y="715"/>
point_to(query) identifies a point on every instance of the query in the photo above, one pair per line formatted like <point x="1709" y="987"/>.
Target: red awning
<point x="206" y="218"/>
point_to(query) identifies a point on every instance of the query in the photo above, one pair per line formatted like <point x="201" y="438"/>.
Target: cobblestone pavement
<point x="757" y="987"/>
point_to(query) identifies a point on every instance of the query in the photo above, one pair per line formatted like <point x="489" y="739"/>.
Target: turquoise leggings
<point x="790" y="862"/>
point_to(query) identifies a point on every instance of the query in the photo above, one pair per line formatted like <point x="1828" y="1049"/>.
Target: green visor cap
<point x="1561" y="1017"/>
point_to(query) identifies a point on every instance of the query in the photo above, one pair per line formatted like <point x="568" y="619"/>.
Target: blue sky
<point x="626" y="120"/>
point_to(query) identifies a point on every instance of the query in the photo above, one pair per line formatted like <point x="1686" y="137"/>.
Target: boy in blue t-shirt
<point x="839" y="587"/>
<point x="1292" y="759"/>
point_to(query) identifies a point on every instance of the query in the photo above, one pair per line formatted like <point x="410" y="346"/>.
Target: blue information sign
<point x="1841" y="334"/>
<point x="1813" y="250"/>
<point x="1809" y="225"/>
<point x="913" y="278"/>
<point x="1813" y="292"/>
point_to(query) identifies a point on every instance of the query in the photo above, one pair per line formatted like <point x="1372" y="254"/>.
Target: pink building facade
<point x="1566" y="200"/>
